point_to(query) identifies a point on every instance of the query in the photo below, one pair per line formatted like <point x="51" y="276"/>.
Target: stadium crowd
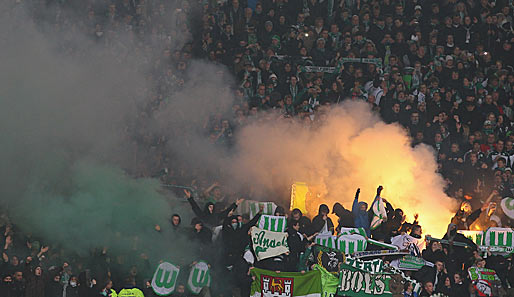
<point x="441" y="69"/>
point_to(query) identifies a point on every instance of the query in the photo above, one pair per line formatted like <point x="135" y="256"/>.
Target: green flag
<point x="285" y="284"/>
<point x="165" y="279"/>
<point x="199" y="277"/>
<point x="329" y="281"/>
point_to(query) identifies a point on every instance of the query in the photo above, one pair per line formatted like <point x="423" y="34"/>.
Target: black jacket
<point x="235" y="240"/>
<point x="345" y="216"/>
<point x="296" y="246"/>
<point x="211" y="219"/>
<point x="318" y="222"/>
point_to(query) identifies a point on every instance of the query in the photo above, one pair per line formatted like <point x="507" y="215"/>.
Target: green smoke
<point x="90" y="205"/>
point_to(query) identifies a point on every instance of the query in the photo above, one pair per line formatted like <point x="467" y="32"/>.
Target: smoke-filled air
<point x="351" y="148"/>
<point x="141" y="133"/>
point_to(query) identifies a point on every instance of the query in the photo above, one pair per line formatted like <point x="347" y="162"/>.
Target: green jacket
<point x="134" y="292"/>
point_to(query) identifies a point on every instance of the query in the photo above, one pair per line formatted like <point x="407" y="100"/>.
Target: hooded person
<point x="6" y="286"/>
<point x="209" y="216"/>
<point x="175" y="221"/>
<point x="345" y="216"/>
<point x="200" y="233"/>
<point x="280" y="211"/>
<point x="360" y="214"/>
<point x="321" y="223"/>
<point x="235" y="237"/>
<point x="304" y="221"/>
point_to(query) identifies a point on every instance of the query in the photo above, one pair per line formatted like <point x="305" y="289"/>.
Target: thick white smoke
<point x="349" y="147"/>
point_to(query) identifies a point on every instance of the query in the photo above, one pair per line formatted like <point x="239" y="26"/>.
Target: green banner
<point x="373" y="266"/>
<point x="285" y="284"/>
<point x="329" y="281"/>
<point x="354" y="282"/>
<point x="409" y="262"/>
<point x="476" y="273"/>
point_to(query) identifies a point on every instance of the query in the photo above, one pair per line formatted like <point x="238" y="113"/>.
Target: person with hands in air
<point x="209" y="216"/>
<point x="359" y="210"/>
<point x="235" y="236"/>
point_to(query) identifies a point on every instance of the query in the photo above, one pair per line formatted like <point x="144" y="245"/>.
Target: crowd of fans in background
<point x="445" y="74"/>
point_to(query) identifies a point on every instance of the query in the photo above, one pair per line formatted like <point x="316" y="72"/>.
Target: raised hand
<point x="188" y="193"/>
<point x="379" y="190"/>
<point x="8" y="240"/>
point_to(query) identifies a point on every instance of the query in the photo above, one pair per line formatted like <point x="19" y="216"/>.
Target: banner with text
<point x="354" y="282"/>
<point x="267" y="244"/>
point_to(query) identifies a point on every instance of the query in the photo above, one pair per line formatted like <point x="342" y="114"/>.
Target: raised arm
<point x="355" y="206"/>
<point x="254" y="220"/>
<point x="196" y="209"/>
<point x="232" y="207"/>
<point x="209" y="189"/>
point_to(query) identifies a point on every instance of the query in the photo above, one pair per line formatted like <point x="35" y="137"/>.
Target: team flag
<point x="199" y="277"/>
<point x="165" y="279"/>
<point x="285" y="284"/>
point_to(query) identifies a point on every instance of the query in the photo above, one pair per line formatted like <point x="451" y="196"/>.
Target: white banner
<point x="407" y="242"/>
<point x="273" y="223"/>
<point x="251" y="208"/>
<point x="267" y="244"/>
<point x="165" y="279"/>
<point x="496" y="236"/>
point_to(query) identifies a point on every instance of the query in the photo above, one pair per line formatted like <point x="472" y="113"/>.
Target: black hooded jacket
<point x="305" y="222"/>
<point x="235" y="240"/>
<point x="345" y="216"/>
<point x="211" y="219"/>
<point x="318" y="222"/>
